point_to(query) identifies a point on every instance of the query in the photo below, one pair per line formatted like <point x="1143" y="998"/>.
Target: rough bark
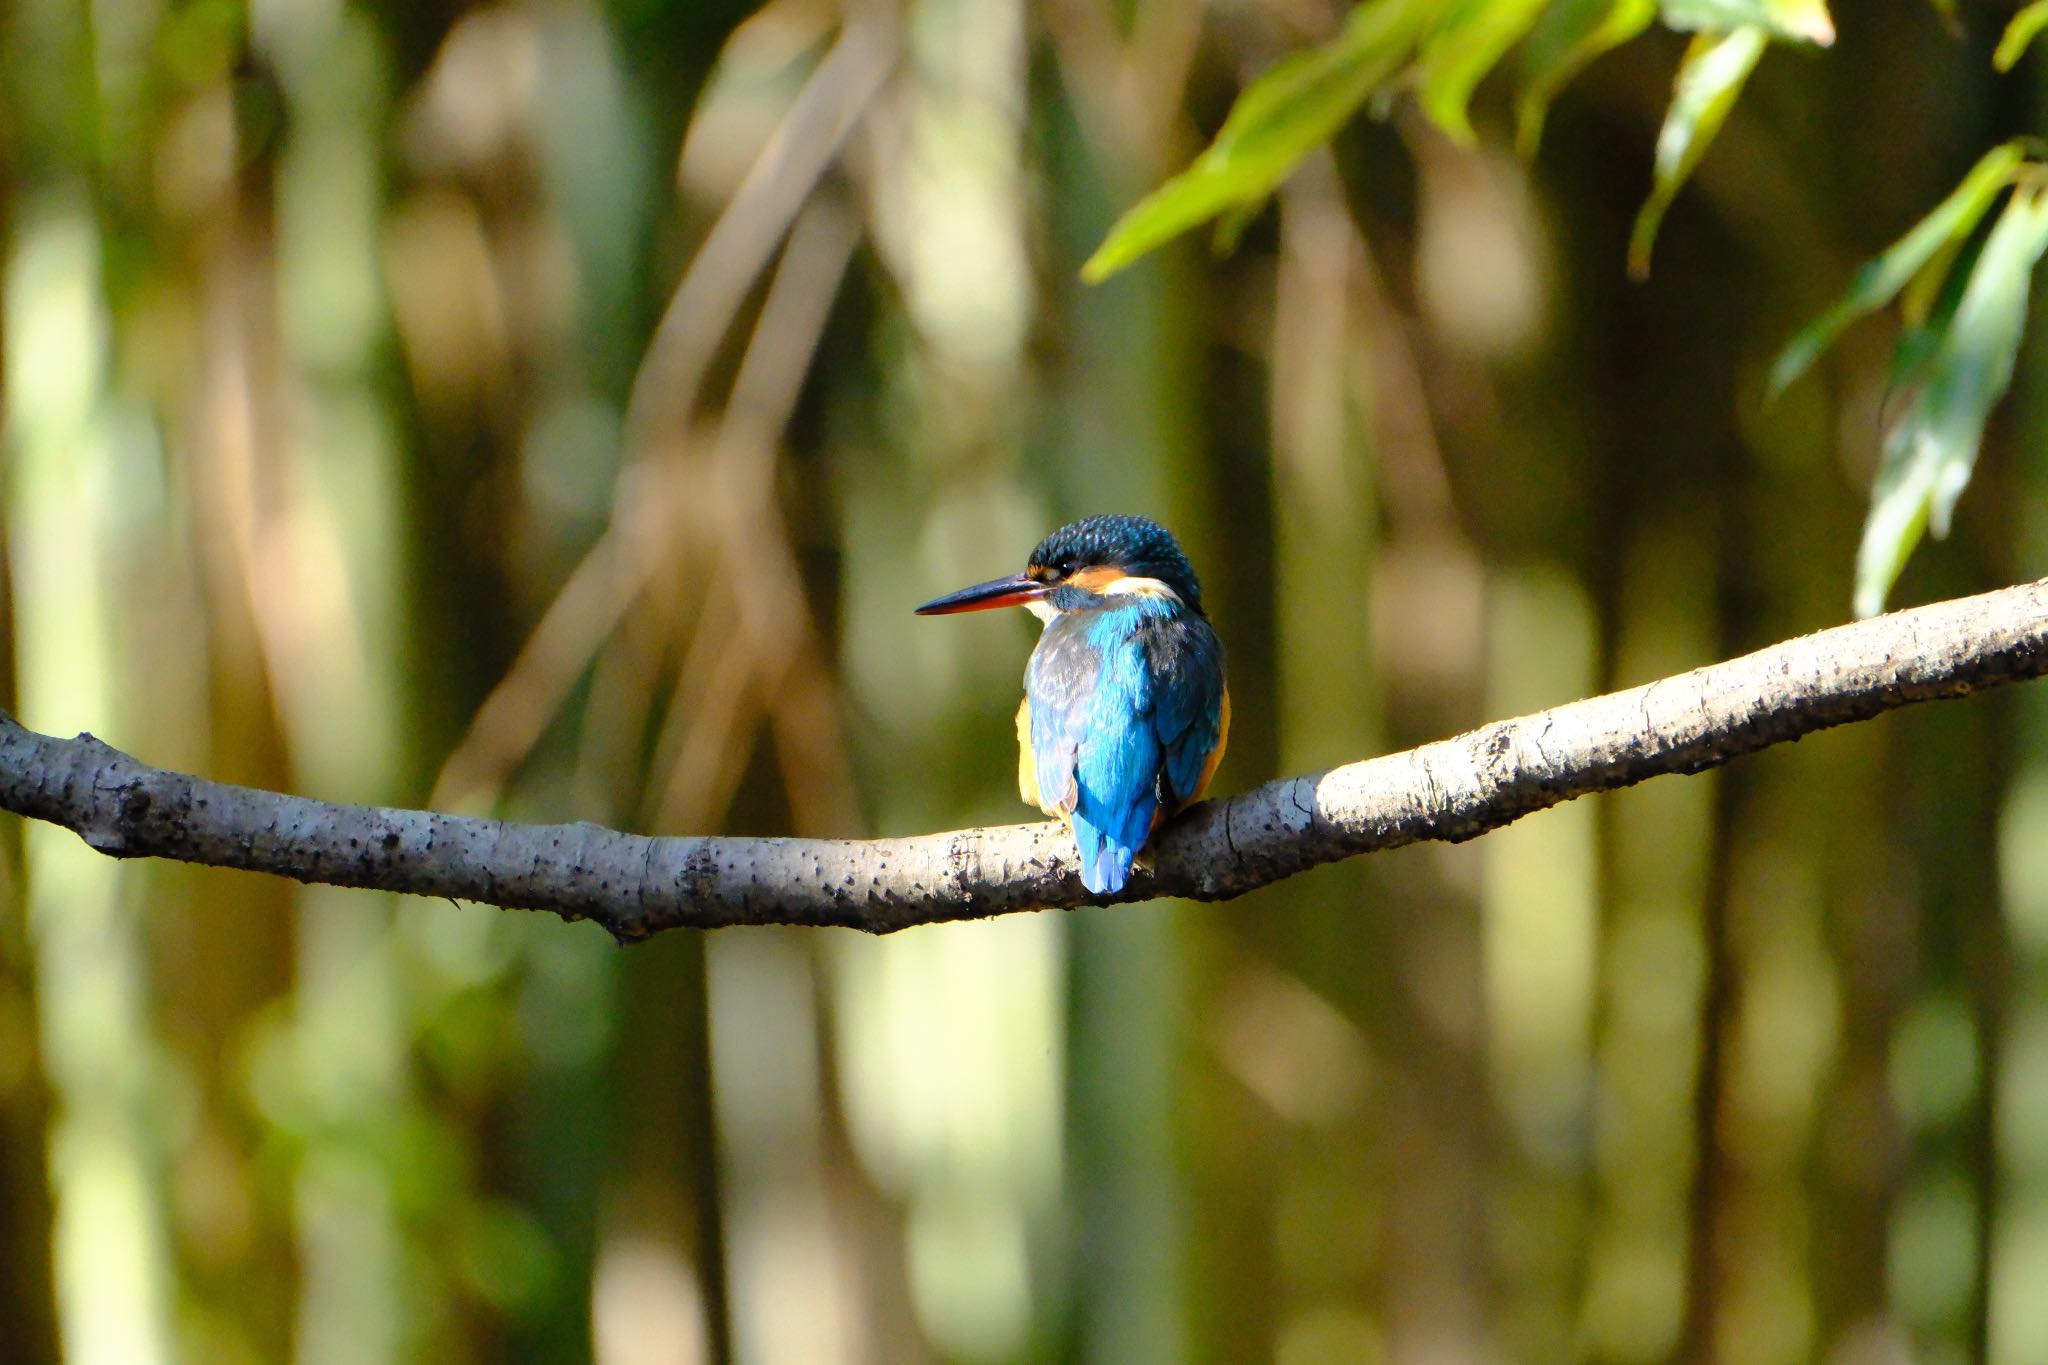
<point x="1453" y="789"/>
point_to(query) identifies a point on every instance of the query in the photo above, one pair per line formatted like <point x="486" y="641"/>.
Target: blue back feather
<point x="1126" y="701"/>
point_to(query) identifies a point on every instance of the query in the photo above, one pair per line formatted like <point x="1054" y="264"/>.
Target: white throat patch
<point x="1139" y="587"/>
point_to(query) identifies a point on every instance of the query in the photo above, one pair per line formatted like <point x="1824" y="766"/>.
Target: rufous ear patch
<point x="1095" y="579"/>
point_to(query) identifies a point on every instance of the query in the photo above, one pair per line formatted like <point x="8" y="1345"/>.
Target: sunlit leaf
<point x="1571" y="34"/>
<point x="1932" y="280"/>
<point x="1708" y="81"/>
<point x="1806" y="20"/>
<point x="1924" y="333"/>
<point x="1466" y="44"/>
<point x="1231" y="225"/>
<point x="1296" y="106"/>
<point x="1930" y="451"/>
<point x="2024" y="28"/>
<point x="1931" y="242"/>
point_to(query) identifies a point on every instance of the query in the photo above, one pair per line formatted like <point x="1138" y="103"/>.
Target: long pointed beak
<point x="997" y="592"/>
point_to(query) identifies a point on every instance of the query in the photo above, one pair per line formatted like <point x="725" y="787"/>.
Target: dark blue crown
<point x="1139" y="546"/>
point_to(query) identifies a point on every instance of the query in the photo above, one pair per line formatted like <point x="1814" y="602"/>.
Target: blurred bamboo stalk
<point x="110" y="1241"/>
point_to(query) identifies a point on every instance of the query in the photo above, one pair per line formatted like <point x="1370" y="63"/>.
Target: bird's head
<point x="1081" y="565"/>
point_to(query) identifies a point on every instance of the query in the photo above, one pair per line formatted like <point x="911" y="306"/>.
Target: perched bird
<point x="1125" y="712"/>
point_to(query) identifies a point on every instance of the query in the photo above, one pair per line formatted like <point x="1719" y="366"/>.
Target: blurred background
<point x="554" y="408"/>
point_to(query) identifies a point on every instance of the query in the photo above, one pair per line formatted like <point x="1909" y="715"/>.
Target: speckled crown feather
<point x="1139" y="546"/>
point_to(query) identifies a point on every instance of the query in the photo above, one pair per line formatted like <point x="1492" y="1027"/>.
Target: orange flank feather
<point x="1161" y="814"/>
<point x="1215" y="754"/>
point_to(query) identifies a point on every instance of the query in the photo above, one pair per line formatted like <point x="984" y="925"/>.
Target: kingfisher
<point x="1125" y="711"/>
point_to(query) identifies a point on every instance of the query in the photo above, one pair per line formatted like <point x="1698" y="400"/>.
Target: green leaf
<point x="2023" y="29"/>
<point x="1922" y="339"/>
<point x="1571" y="34"/>
<point x="1293" y="108"/>
<point x="1931" y="281"/>
<point x="1931" y="242"/>
<point x="1709" y="79"/>
<point x="1231" y="225"/>
<point x="1804" y="20"/>
<point x="1468" y="43"/>
<point x="1930" y="451"/>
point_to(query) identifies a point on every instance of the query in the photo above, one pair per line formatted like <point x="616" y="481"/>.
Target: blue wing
<point x="1126" y="713"/>
<point x="1117" y="776"/>
<point x="1059" y="683"/>
<point x="1117" y="770"/>
<point x="1186" y="663"/>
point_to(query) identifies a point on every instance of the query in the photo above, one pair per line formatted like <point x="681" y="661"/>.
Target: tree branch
<point x="1453" y="789"/>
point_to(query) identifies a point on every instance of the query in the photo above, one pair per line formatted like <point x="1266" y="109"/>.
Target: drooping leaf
<point x="1931" y="242"/>
<point x="1928" y="291"/>
<point x="1931" y="450"/>
<point x="1709" y="79"/>
<point x="1570" y="35"/>
<point x="1466" y="44"/>
<point x="1804" y="20"/>
<point x="1922" y="338"/>
<point x="1294" y="107"/>
<point x="2024" y="28"/>
<point x="1899" y="499"/>
<point x="1973" y="367"/>
<point x="1231" y="225"/>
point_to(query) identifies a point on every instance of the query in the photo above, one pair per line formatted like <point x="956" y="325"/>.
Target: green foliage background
<point x="555" y="408"/>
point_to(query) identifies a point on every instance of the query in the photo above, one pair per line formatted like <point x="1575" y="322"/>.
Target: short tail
<point x="1106" y="859"/>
